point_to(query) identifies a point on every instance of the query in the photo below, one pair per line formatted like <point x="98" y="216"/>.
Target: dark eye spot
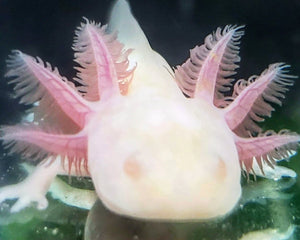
<point x="221" y="170"/>
<point x="132" y="168"/>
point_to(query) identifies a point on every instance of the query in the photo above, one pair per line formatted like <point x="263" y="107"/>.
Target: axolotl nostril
<point x="157" y="142"/>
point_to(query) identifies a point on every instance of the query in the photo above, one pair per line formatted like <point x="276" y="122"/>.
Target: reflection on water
<point x="104" y="225"/>
<point x="267" y="210"/>
<point x="101" y="224"/>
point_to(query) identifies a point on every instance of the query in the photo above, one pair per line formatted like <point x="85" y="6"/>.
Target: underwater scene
<point x="123" y="142"/>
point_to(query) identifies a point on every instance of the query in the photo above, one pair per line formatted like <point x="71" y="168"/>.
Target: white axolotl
<point x="151" y="151"/>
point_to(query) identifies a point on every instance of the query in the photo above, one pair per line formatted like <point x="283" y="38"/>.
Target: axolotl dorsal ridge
<point x="151" y="151"/>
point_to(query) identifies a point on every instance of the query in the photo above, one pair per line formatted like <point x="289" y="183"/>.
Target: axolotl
<point x="158" y="142"/>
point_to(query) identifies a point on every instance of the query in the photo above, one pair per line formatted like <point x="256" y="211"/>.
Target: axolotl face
<point x="159" y="158"/>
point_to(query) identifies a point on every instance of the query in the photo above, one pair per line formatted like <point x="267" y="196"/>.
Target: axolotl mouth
<point x="157" y="143"/>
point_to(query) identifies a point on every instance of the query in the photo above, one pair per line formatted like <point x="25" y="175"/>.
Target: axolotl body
<point x="157" y="143"/>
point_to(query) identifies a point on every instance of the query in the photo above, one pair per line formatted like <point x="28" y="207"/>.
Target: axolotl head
<point x="163" y="159"/>
<point x="154" y="154"/>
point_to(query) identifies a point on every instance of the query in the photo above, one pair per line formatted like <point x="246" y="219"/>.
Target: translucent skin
<point x="167" y="159"/>
<point x="151" y="152"/>
<point x="166" y="156"/>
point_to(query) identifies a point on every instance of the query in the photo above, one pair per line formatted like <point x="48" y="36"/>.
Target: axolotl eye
<point x="133" y="168"/>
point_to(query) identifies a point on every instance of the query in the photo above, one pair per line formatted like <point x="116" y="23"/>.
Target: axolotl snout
<point x="152" y="152"/>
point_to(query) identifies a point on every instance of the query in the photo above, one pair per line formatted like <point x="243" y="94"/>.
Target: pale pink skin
<point x="151" y="152"/>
